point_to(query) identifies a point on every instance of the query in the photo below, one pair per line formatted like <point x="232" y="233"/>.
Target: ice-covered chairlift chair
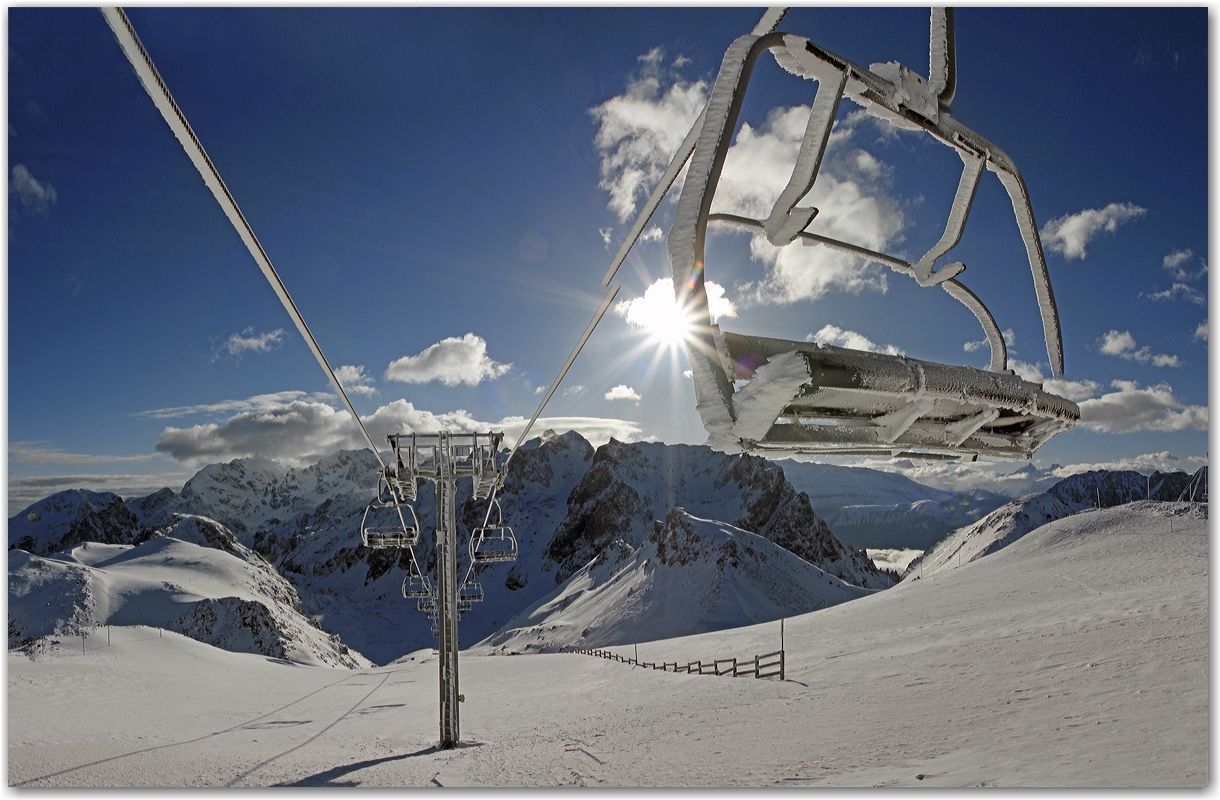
<point x="403" y="534"/>
<point x="493" y="541"/>
<point x="801" y="397"/>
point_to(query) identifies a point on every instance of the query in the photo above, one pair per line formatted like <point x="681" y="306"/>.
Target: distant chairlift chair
<point x="777" y="396"/>
<point x="493" y="541"/>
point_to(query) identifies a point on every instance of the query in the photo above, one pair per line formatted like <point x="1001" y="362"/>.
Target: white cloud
<point x="1070" y="234"/>
<point x="852" y="208"/>
<point x="1201" y="332"/>
<point x="639" y="131"/>
<point x="652" y="234"/>
<point x="573" y="390"/>
<point x="259" y="402"/>
<point x="1176" y="258"/>
<point x="605" y="233"/>
<point x="1072" y="390"/>
<point x="659" y="307"/>
<point x="450" y="361"/>
<point x="1146" y="463"/>
<point x="896" y="560"/>
<point x="299" y="432"/>
<point x="1010" y="338"/>
<point x="622" y="392"/>
<point x="1174" y="262"/>
<point x="355" y="380"/>
<point x="541" y="389"/>
<point x="1182" y="291"/>
<point x="36" y="197"/>
<point x="1132" y="408"/>
<point x="44" y="454"/>
<point x="1122" y="344"/>
<point x="248" y="340"/>
<point x="834" y="335"/>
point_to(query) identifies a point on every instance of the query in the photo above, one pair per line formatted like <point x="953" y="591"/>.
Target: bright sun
<point x="658" y="313"/>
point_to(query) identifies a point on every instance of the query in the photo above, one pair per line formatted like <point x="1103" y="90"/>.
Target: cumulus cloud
<point x="658" y="307"/>
<point x="622" y="392"/>
<point x="1131" y="408"/>
<point x="897" y="560"/>
<point x="1180" y="291"/>
<point x="1070" y="233"/>
<point x="355" y="380"/>
<point x="1072" y="390"/>
<point x="300" y="432"/>
<point x="1122" y="344"/>
<point x="834" y="335"/>
<point x="1201" y="332"/>
<point x="249" y="341"/>
<point x="640" y="130"/>
<point x="36" y="196"/>
<point x="853" y="207"/>
<point x="451" y="361"/>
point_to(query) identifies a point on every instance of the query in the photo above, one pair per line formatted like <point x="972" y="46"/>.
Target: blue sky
<point x="442" y="190"/>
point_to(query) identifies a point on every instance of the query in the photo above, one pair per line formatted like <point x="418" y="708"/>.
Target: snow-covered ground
<point x="1076" y="656"/>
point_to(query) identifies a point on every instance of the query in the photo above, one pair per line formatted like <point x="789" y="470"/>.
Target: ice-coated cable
<point x="142" y="63"/>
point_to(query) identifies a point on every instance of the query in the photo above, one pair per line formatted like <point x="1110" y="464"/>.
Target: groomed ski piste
<point x="1074" y="656"/>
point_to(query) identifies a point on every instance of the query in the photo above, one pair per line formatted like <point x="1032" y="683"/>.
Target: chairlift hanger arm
<point x="142" y="63"/>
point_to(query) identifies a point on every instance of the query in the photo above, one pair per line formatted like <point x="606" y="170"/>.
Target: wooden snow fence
<point x="767" y="665"/>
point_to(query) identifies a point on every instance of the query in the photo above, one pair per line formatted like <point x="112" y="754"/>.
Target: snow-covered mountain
<point x="1080" y="492"/>
<point x="689" y="576"/>
<point x="566" y="503"/>
<point x="630" y="486"/>
<point x="193" y="578"/>
<point x="868" y="508"/>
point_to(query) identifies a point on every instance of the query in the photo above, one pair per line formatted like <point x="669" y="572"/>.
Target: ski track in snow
<point x="1076" y="656"/>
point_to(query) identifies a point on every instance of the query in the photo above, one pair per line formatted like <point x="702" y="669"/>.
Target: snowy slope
<point x="564" y="501"/>
<point x="196" y="580"/>
<point x="997" y="530"/>
<point x="1077" y="656"/>
<point x="1076" y="493"/>
<point x="691" y="575"/>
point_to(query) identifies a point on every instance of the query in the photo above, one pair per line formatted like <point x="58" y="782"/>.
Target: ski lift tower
<point x="443" y="458"/>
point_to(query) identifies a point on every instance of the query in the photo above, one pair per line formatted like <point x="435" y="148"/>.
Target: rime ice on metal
<point x="802" y="397"/>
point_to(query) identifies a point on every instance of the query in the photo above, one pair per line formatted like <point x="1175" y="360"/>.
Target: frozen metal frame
<point x="444" y="458"/>
<point x="806" y="398"/>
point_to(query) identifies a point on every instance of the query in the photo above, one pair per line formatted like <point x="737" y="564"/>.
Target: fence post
<point x="781" y="665"/>
<point x="755" y="665"/>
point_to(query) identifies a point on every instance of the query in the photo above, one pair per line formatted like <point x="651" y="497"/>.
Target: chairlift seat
<point x="379" y="538"/>
<point x="802" y="397"/>
<point x="493" y="543"/>
<point x="416" y="586"/>
<point x="403" y="534"/>
<point x="471" y="592"/>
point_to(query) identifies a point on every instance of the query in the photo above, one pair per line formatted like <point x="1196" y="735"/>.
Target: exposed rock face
<point x="1116" y="488"/>
<point x="68" y="518"/>
<point x="629" y="486"/>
